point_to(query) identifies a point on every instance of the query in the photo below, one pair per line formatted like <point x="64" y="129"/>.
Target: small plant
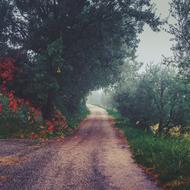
<point x="21" y="119"/>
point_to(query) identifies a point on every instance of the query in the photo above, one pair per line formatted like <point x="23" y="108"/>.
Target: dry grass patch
<point x="10" y="160"/>
<point x="4" y="178"/>
<point x="178" y="184"/>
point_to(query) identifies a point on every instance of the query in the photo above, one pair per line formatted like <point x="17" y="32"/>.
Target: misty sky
<point x="155" y="44"/>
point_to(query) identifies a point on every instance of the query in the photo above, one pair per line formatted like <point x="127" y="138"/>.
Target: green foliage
<point x="81" y="113"/>
<point x="169" y="157"/>
<point x="115" y="114"/>
<point x="155" y="97"/>
<point x="17" y="122"/>
<point x="180" y="11"/>
<point x="86" y="41"/>
<point x="5" y="16"/>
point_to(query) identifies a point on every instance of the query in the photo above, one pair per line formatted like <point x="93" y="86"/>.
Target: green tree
<point x="156" y="97"/>
<point x="5" y="17"/>
<point x="180" y="11"/>
<point x="86" y="41"/>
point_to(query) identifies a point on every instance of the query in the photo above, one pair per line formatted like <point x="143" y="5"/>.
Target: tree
<point x="5" y="17"/>
<point x="180" y="11"/>
<point x="93" y="37"/>
<point x="156" y="97"/>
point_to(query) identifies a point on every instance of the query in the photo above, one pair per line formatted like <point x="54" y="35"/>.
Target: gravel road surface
<point x="95" y="158"/>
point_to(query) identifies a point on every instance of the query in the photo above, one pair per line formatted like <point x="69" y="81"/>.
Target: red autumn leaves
<point x="1" y="107"/>
<point x="7" y="69"/>
<point x="13" y="105"/>
<point x="51" y="126"/>
<point x="41" y="128"/>
<point x="7" y="72"/>
<point x="12" y="102"/>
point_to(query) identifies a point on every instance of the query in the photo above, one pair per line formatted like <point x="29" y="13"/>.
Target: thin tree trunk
<point x="161" y="117"/>
<point x="48" y="109"/>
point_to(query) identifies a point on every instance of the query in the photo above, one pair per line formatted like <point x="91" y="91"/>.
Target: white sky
<point x="155" y="44"/>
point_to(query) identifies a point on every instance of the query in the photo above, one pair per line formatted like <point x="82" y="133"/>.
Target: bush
<point x="157" y="96"/>
<point x="74" y="120"/>
<point x="16" y="118"/>
<point x="19" y="118"/>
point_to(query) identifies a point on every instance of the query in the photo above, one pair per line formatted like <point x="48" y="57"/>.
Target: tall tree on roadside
<point x="5" y="21"/>
<point x="81" y="43"/>
<point x="180" y="11"/>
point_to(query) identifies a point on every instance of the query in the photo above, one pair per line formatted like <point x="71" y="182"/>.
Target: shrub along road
<point x="95" y="158"/>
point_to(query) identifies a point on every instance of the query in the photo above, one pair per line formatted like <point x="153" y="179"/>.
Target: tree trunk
<point x="48" y="109"/>
<point x="160" y="125"/>
<point x="161" y="116"/>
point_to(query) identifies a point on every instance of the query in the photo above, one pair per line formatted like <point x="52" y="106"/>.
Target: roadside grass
<point x="75" y="120"/>
<point x="167" y="157"/>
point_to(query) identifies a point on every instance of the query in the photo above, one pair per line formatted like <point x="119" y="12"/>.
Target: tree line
<point x="160" y="94"/>
<point x="66" y="48"/>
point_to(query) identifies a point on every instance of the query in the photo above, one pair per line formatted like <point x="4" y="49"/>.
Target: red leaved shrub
<point x="12" y="109"/>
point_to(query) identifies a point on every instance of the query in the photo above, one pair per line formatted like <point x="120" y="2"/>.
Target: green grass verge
<point x="167" y="156"/>
<point x="74" y="120"/>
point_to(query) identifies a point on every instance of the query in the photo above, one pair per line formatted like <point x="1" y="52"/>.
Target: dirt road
<point x="93" y="159"/>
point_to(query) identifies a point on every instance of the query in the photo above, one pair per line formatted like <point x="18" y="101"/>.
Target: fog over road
<point x="95" y="158"/>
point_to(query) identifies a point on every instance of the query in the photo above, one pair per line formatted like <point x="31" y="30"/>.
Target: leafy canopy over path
<point x="66" y="48"/>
